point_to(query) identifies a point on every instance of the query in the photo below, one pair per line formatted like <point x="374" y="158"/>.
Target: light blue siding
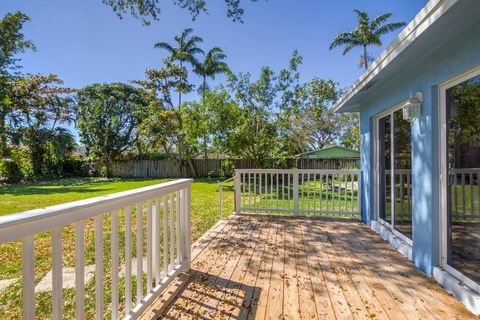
<point x="459" y="54"/>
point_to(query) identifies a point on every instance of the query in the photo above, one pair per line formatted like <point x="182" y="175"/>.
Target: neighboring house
<point x="330" y="152"/>
<point x="419" y="106"/>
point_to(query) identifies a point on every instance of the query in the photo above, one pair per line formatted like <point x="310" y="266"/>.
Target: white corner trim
<point x="429" y="14"/>
<point x="469" y="297"/>
<point x="398" y="243"/>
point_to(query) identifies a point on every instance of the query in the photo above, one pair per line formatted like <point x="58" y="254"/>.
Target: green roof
<point x="330" y="152"/>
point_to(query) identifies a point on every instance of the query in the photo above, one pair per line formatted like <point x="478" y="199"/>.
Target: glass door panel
<point x="395" y="172"/>
<point x="384" y="142"/>
<point x="463" y="165"/>
<point x="402" y="172"/>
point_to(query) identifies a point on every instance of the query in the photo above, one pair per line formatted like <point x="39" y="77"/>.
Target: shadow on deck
<point x="256" y="267"/>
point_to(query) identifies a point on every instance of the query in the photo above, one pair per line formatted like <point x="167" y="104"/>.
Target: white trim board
<point x="432" y="11"/>
<point x="397" y="242"/>
<point x="442" y="145"/>
<point x="377" y="176"/>
<point x="469" y="297"/>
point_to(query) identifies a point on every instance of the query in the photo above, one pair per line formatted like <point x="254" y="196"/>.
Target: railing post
<point x="295" y="193"/>
<point x="359" y="196"/>
<point x="237" y="192"/>
<point x="220" y="190"/>
<point x="188" y="228"/>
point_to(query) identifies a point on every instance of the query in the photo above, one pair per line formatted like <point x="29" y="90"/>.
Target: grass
<point x="21" y="197"/>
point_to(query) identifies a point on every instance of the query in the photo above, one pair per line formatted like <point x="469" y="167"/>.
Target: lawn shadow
<point x="82" y="185"/>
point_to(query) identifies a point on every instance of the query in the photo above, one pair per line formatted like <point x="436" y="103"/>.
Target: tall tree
<point x="12" y="43"/>
<point x="185" y="51"/>
<point x="212" y="65"/>
<point x="368" y="32"/>
<point x="107" y="118"/>
<point x="314" y="125"/>
<point x="41" y="103"/>
<point x="255" y="136"/>
<point x="161" y="83"/>
<point x="159" y="131"/>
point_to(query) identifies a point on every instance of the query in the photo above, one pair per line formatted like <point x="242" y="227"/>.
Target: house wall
<point x="447" y="60"/>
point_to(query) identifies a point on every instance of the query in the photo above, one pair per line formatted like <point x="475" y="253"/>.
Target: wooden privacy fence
<point x="327" y="193"/>
<point x="174" y="168"/>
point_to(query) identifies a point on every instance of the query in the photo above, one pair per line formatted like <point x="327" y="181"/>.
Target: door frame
<point x="377" y="176"/>
<point x="443" y="174"/>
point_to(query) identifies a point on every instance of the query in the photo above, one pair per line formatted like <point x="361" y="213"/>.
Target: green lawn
<point x="15" y="198"/>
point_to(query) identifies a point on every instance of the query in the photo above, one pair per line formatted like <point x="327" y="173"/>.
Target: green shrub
<point x="76" y="168"/>
<point x="104" y="172"/>
<point x="228" y="168"/>
<point x="22" y="158"/>
<point x="10" y="171"/>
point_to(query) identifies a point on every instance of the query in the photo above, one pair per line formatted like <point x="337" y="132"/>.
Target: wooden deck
<point x="251" y="267"/>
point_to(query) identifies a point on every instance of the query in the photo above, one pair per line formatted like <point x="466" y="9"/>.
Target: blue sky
<point x="84" y="42"/>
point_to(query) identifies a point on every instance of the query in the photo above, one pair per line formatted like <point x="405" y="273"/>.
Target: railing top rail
<point x="464" y="170"/>
<point x="225" y="181"/>
<point x="399" y="171"/>
<point x="21" y="224"/>
<point x="329" y="171"/>
<point x="452" y="170"/>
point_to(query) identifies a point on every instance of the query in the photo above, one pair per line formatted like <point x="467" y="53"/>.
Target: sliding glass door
<point x="395" y="172"/>
<point x="462" y="164"/>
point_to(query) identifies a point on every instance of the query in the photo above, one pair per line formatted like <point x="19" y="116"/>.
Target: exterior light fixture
<point x="412" y="108"/>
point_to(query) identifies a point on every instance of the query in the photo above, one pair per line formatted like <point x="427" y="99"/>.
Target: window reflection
<point x="402" y="174"/>
<point x="385" y="166"/>
<point x="396" y="203"/>
<point x="463" y="145"/>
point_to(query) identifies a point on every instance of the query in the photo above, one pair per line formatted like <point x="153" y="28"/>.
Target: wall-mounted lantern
<point x="413" y="107"/>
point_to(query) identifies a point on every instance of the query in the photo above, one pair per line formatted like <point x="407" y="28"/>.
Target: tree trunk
<point x="180" y="89"/>
<point x="205" y="147"/>
<point x="192" y="168"/>
<point x="108" y="168"/>
<point x="365" y="58"/>
<point x="185" y="155"/>
<point x="204" y="87"/>
<point x="3" y="137"/>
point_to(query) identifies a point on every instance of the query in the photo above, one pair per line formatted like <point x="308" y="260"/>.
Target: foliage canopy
<point x="107" y="118"/>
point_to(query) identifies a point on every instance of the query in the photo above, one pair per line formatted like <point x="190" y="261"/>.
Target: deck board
<point x="257" y="267"/>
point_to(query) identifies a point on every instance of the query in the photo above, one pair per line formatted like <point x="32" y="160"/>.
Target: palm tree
<point x="211" y="65"/>
<point x="368" y="32"/>
<point x="185" y="51"/>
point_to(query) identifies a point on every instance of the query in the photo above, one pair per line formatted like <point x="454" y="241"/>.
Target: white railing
<point x="329" y="193"/>
<point x="154" y="219"/>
